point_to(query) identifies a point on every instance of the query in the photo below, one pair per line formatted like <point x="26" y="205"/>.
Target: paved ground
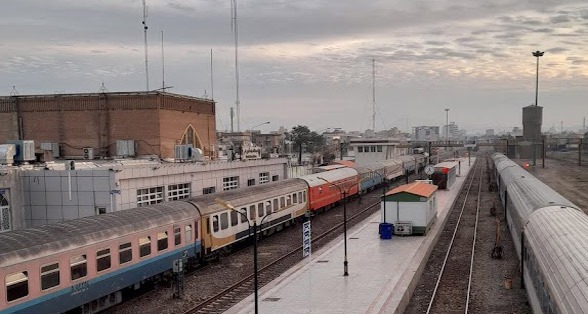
<point x="565" y="177"/>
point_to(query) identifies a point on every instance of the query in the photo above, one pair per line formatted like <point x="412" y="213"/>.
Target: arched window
<point x="4" y="214"/>
<point x="191" y="137"/>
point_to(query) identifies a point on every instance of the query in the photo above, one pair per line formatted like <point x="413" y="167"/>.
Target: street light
<point x="253" y="127"/>
<point x="343" y="192"/>
<point x="254" y="227"/>
<point x="536" y="54"/>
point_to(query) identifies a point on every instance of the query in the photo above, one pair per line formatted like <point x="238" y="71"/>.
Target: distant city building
<point x="368" y="150"/>
<point x="451" y="130"/>
<point x="91" y="125"/>
<point x="516" y="131"/>
<point x="490" y="132"/>
<point x="426" y="133"/>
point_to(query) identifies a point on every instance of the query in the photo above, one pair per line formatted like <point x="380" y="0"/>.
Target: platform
<point x="382" y="273"/>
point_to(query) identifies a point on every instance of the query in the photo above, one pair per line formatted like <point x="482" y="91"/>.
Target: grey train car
<point x="551" y="238"/>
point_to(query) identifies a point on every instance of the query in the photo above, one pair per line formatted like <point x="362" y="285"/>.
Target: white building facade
<point x="371" y="150"/>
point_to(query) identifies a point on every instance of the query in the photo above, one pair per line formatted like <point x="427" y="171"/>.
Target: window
<point x="276" y="206"/>
<point x="252" y="212"/>
<point x="177" y="236"/>
<point x="373" y="149"/>
<point x="360" y="149"/>
<point x="294" y="198"/>
<point x="251" y="182"/>
<point x="304" y="196"/>
<point x="100" y="210"/>
<point x="282" y="202"/>
<point x="103" y="260"/>
<point x="215" y="223"/>
<point x="188" y="233"/>
<point x="260" y="212"/>
<point x="244" y="216"/>
<point x="366" y="149"/>
<point x="208" y="190"/>
<point x="49" y="276"/>
<point x="288" y="200"/>
<point x="178" y="191"/>
<point x="300" y="197"/>
<point x="275" y="178"/>
<point x="144" y="246"/>
<point x="268" y="207"/>
<point x="78" y="266"/>
<point x="379" y="148"/>
<point x="17" y="286"/>
<point x="4" y="213"/>
<point x="125" y="253"/>
<point x="149" y="196"/>
<point x="263" y="177"/>
<point x="234" y="218"/>
<point x="162" y="242"/>
<point x="230" y="183"/>
<point x="224" y="218"/>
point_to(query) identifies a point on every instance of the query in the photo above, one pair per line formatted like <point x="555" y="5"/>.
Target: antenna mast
<point x="236" y="33"/>
<point x="162" y="65"/>
<point x="146" y="53"/>
<point x="211" y="78"/>
<point x="374" y="94"/>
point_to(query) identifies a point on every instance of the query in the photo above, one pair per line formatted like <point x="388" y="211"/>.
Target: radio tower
<point x="146" y="53"/>
<point x="374" y="94"/>
<point x="235" y="27"/>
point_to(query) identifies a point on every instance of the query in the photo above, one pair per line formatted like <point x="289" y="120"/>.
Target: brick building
<point x="155" y="121"/>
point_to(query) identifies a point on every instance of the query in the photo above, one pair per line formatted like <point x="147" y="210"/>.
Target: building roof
<point x="346" y="163"/>
<point x="137" y="93"/>
<point x="417" y="188"/>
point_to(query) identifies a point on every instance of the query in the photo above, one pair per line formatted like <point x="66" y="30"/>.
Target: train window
<point x="224" y="220"/>
<point x="144" y="246"/>
<point x="49" y="276"/>
<point x="162" y="241"/>
<point x="300" y="197"/>
<point x="252" y="212"/>
<point x="79" y="266"/>
<point x="188" y="233"/>
<point x="282" y="202"/>
<point x="268" y="207"/>
<point x="244" y="215"/>
<point x="234" y="218"/>
<point x="215" y="223"/>
<point x="304" y="196"/>
<point x="294" y="198"/>
<point x="195" y="230"/>
<point x="288" y="200"/>
<point x="260" y="210"/>
<point x="125" y="253"/>
<point x="103" y="260"/>
<point x="177" y="236"/>
<point x="276" y="207"/>
<point x="17" y="286"/>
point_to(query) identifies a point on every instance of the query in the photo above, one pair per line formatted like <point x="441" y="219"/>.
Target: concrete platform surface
<point x="382" y="273"/>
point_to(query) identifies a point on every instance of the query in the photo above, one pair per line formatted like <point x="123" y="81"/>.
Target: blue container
<point x="386" y="230"/>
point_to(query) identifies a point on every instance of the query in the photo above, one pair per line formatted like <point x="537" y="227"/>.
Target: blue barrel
<point x="386" y="230"/>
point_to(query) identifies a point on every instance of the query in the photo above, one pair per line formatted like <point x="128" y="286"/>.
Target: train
<point x="550" y="235"/>
<point x="116" y="253"/>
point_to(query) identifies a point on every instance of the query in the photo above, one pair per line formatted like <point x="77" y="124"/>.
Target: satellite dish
<point x="197" y="154"/>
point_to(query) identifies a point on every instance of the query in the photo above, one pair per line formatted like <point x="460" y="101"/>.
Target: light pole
<point x="536" y="54"/>
<point x="253" y="127"/>
<point x="254" y="227"/>
<point x="344" y="191"/>
<point x="447" y="124"/>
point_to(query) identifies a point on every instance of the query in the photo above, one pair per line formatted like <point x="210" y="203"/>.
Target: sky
<point x="309" y="62"/>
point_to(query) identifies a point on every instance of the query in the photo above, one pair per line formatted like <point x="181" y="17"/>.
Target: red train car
<point x="321" y="189"/>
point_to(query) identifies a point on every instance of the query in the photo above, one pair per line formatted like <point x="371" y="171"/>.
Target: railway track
<point x="238" y="291"/>
<point x="453" y="286"/>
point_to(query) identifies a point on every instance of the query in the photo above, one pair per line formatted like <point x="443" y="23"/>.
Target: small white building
<point x="411" y="208"/>
<point x="370" y="150"/>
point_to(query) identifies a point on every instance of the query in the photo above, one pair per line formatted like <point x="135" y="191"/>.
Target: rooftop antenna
<point x="205" y="95"/>
<point x="235" y="27"/>
<point x="103" y="88"/>
<point x="14" y="92"/>
<point x="211" y="78"/>
<point x="162" y="65"/>
<point x="374" y="94"/>
<point x="146" y="52"/>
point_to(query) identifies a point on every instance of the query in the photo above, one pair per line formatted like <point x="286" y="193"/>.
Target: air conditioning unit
<point x="88" y="153"/>
<point x="125" y="148"/>
<point x="403" y="228"/>
<point x="25" y="150"/>
<point x="183" y="152"/>
<point x="53" y="147"/>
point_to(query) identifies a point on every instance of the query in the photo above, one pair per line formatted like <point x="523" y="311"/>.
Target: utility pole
<point x="211" y="78"/>
<point x="146" y="52"/>
<point x="162" y="65"/>
<point x="235" y="26"/>
<point x="374" y="94"/>
<point x="537" y="54"/>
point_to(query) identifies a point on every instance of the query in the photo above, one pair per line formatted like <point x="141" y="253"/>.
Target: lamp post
<point x="254" y="227"/>
<point x="344" y="191"/>
<point x="536" y="54"/>
<point x="253" y="127"/>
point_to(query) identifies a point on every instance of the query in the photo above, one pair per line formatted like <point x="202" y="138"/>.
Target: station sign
<point x="306" y="240"/>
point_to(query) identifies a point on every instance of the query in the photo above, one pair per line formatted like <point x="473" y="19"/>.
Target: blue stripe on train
<point x="86" y="291"/>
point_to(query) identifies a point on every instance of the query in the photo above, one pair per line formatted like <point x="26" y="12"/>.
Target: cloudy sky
<point x="309" y="61"/>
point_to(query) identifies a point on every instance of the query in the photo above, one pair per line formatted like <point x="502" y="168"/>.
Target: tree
<point x="300" y="135"/>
